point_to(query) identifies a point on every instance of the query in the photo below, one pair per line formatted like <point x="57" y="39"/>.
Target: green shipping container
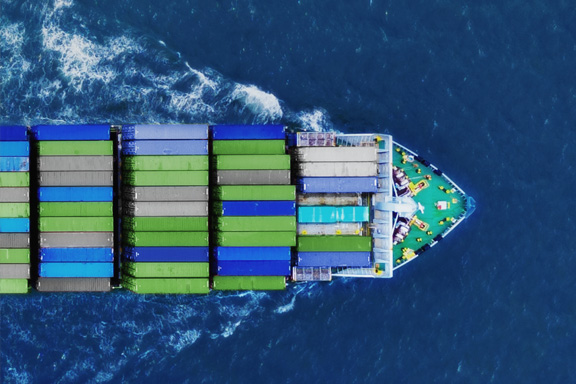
<point x="166" y="239"/>
<point x="165" y="163"/>
<point x="248" y="147"/>
<point x="71" y="148"/>
<point x="166" y="286"/>
<point x="249" y="283"/>
<point x="334" y="243"/>
<point x="255" y="192"/>
<point x="76" y="224"/>
<point x="180" y="269"/>
<point x="82" y="209"/>
<point x="256" y="223"/>
<point x="13" y="286"/>
<point x="20" y="210"/>
<point x="14" y="256"/>
<point x="166" y="178"/>
<point x="14" y="179"/>
<point x="164" y="224"/>
<point x="237" y="162"/>
<point x="256" y="239"/>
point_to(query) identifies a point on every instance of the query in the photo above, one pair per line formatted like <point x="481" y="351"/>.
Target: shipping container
<point x="331" y="229"/>
<point x="338" y="184"/>
<point x="14" y="195"/>
<point x="334" y="259"/>
<point x="198" y="193"/>
<point x="71" y="284"/>
<point x="335" y="154"/>
<point x="166" y="286"/>
<point x="334" y="244"/>
<point x="14" y="255"/>
<point x="338" y="169"/>
<point x="166" y="254"/>
<point x="253" y="268"/>
<point x="166" y="178"/>
<point x="11" y="224"/>
<point x="76" y="224"/>
<point x="255" y="208"/>
<point x="75" y="148"/>
<point x="314" y="139"/>
<point x="75" y="163"/>
<point x="165" y="239"/>
<point x="15" y="148"/>
<point x="77" y="209"/>
<point x="165" y="208"/>
<point x="14" y="240"/>
<point x="256" y="239"/>
<point x="252" y="162"/>
<point x="71" y="132"/>
<point x="256" y="223"/>
<point x="311" y="274"/>
<point x="76" y="269"/>
<point x="248" y="132"/>
<point x="74" y="194"/>
<point x="337" y="199"/>
<point x="14" y="179"/>
<point x="328" y="214"/>
<point x="165" y="132"/>
<point x="75" y="179"/>
<point x="13" y="286"/>
<point x="253" y="177"/>
<point x="14" y="210"/>
<point x="14" y="271"/>
<point x="77" y="255"/>
<point x="252" y="253"/>
<point x="165" y="147"/>
<point x="154" y="269"/>
<point x="76" y="239"/>
<point x="165" y="163"/>
<point x="249" y="147"/>
<point x="252" y="192"/>
<point x="13" y="133"/>
<point x="164" y="224"/>
<point x="14" y="164"/>
<point x="249" y="283"/>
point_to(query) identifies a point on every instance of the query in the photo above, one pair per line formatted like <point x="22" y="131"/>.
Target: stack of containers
<point x="75" y="210"/>
<point x="14" y="209"/>
<point x="165" y="209"/>
<point x="331" y="217"/>
<point x="254" y="207"/>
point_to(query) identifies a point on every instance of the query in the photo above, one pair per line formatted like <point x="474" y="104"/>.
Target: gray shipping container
<point x="166" y="193"/>
<point x="75" y="163"/>
<point x="14" y="240"/>
<point x="76" y="239"/>
<point x="259" y="177"/>
<point x="14" y="195"/>
<point x="337" y="199"/>
<point x="337" y="154"/>
<point x="73" y="284"/>
<point x="74" y="179"/>
<point x="14" y="271"/>
<point x="338" y="169"/>
<point x="165" y="208"/>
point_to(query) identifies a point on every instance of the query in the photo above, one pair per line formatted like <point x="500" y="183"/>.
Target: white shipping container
<point x="331" y="229"/>
<point x="337" y="154"/>
<point x="338" y="169"/>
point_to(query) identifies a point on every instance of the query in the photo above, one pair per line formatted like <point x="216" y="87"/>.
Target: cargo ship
<point x="186" y="209"/>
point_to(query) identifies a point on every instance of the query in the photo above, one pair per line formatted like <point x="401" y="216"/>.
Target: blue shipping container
<point x="248" y="132"/>
<point x="334" y="259"/>
<point x="76" y="270"/>
<point x="75" y="194"/>
<point x="254" y="268"/>
<point x="327" y="214"/>
<point x="165" y="147"/>
<point x="77" y="255"/>
<point x="71" y="132"/>
<point x="166" y="254"/>
<point x="338" y="184"/>
<point x="13" y="133"/>
<point x="15" y="148"/>
<point x="252" y="253"/>
<point x="258" y="208"/>
<point x="14" y="164"/>
<point x="10" y="224"/>
<point x="165" y="132"/>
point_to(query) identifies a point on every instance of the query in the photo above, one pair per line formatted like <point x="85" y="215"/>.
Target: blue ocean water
<point x="485" y="90"/>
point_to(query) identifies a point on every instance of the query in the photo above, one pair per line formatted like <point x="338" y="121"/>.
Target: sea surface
<point x="486" y="90"/>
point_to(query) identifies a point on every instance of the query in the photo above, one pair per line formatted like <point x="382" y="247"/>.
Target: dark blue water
<point x="485" y="91"/>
